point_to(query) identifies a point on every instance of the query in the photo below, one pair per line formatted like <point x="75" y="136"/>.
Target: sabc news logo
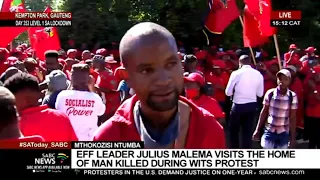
<point x="62" y="157"/>
<point x="51" y="158"/>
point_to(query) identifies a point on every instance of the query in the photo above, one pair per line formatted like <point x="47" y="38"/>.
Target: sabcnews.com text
<point x="281" y="172"/>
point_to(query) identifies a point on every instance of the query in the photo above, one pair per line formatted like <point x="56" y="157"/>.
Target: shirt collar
<point x="34" y="109"/>
<point x="278" y="91"/>
<point x="246" y="66"/>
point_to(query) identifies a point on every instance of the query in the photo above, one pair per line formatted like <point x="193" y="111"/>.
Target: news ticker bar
<point x="173" y="172"/>
<point x="71" y="145"/>
<point x="198" y="172"/>
<point x="35" y="23"/>
<point x="59" y="161"/>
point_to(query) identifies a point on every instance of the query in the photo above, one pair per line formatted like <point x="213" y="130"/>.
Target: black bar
<point x="26" y="161"/>
<point x="58" y="162"/>
<point x="35" y="23"/>
<point x="108" y="145"/>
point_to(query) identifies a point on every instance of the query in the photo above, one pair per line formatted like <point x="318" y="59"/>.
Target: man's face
<point x="283" y="81"/>
<point x="86" y="55"/>
<point x="70" y="63"/>
<point x="51" y="64"/>
<point x="216" y="71"/>
<point x="72" y="55"/>
<point x="191" y="66"/>
<point x="225" y="57"/>
<point x="156" y="75"/>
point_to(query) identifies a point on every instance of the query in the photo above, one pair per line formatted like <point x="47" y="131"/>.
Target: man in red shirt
<point x="9" y="125"/>
<point x="51" y="61"/>
<point x="297" y="87"/>
<point x="268" y="69"/>
<point x="219" y="81"/>
<point x="107" y="85"/>
<point x="292" y="50"/>
<point x="156" y="114"/>
<point x="313" y="111"/>
<point x="86" y="54"/>
<point x="35" y="119"/>
<point x="194" y="87"/>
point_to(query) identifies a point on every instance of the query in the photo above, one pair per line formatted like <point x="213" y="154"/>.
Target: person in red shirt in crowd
<point x="212" y="54"/>
<point x="102" y="52"/>
<point x="62" y="63"/>
<point x="9" y="72"/>
<point x="110" y="63"/>
<point x="219" y="81"/>
<point x="31" y="66"/>
<point x="62" y="54"/>
<point x="201" y="57"/>
<point x="51" y="61"/>
<point x="294" y="60"/>
<point x="120" y="73"/>
<point x="157" y="115"/>
<point x="86" y="54"/>
<point x="269" y="70"/>
<point x="35" y="119"/>
<point x="4" y="53"/>
<point x="9" y="124"/>
<point x="72" y="53"/>
<point x="310" y="55"/>
<point x="194" y="87"/>
<point x="69" y="63"/>
<point x="292" y="50"/>
<point x="106" y="85"/>
<point x="313" y="111"/>
<point x="231" y="64"/>
<point x="18" y="54"/>
<point x="297" y="87"/>
<point x="190" y="64"/>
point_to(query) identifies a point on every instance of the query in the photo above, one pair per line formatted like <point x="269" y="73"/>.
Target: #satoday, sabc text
<point x="161" y="159"/>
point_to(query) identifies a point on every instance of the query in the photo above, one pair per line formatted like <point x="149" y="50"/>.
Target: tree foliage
<point x="105" y="21"/>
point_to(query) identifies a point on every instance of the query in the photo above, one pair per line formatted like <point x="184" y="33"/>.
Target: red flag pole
<point x="251" y="51"/>
<point x="277" y="49"/>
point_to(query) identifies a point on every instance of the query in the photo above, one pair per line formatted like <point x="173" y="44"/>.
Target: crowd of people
<point x="151" y="90"/>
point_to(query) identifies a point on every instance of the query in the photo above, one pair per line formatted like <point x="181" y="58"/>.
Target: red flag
<point x="9" y="33"/>
<point x="253" y="7"/>
<point x="220" y="17"/>
<point x="251" y="33"/>
<point x="265" y="18"/>
<point x="44" y="38"/>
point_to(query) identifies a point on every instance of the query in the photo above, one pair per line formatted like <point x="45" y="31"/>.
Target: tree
<point x="107" y="21"/>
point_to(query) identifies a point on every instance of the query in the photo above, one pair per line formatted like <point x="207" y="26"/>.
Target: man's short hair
<point x="21" y="81"/>
<point x="244" y="59"/>
<point x="51" y="54"/>
<point x="190" y="58"/>
<point x="81" y="68"/>
<point x="8" y="109"/>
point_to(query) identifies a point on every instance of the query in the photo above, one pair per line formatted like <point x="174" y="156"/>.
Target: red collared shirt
<point x="211" y="105"/>
<point x="48" y="123"/>
<point x="204" y="130"/>
<point x="107" y="80"/>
